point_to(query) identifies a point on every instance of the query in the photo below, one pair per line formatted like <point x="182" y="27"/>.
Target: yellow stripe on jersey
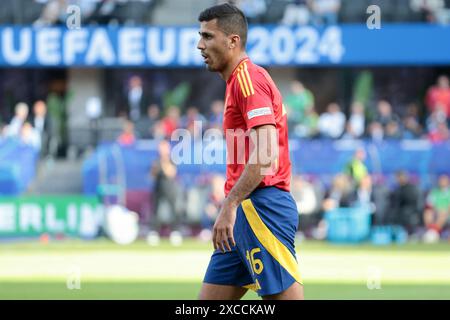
<point x="244" y="80"/>
<point x="239" y="67"/>
<point x="241" y="85"/>
<point x="250" y="84"/>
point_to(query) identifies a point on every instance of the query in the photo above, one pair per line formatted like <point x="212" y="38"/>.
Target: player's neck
<point x="226" y="74"/>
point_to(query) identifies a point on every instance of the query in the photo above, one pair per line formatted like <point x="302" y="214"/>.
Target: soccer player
<point x="254" y="233"/>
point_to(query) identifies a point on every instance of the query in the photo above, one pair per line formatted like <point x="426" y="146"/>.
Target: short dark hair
<point x="229" y="18"/>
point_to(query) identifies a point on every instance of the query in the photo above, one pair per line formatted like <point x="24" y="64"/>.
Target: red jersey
<point x="252" y="99"/>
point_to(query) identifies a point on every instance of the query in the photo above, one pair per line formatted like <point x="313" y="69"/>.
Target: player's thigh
<point x="294" y="292"/>
<point x="211" y="291"/>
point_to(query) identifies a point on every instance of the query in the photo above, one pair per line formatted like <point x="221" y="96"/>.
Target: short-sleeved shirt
<point x="251" y="100"/>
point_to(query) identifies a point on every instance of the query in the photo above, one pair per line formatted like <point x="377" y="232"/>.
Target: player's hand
<point x="223" y="228"/>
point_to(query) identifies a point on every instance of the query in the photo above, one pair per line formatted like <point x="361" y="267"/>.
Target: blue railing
<point x="321" y="158"/>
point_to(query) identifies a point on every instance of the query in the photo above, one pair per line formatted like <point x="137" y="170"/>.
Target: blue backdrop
<point x="393" y="44"/>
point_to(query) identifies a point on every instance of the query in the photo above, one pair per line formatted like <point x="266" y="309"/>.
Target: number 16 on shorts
<point x="255" y="263"/>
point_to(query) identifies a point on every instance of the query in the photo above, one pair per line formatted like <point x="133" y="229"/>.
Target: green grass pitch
<point x="104" y="270"/>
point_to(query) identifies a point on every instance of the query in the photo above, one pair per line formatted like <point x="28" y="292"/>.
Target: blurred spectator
<point x="253" y="10"/>
<point x="348" y="133"/>
<point x="54" y="13"/>
<point x="105" y="12"/>
<point x="41" y="121"/>
<point x="166" y="193"/>
<point x="376" y="132"/>
<point x="356" y="169"/>
<point x="213" y="205"/>
<point x="146" y="125"/>
<point x="363" y="195"/>
<point x="437" y="207"/>
<point x="308" y="196"/>
<point x="298" y="101"/>
<point x="30" y="136"/>
<point x="325" y="12"/>
<point x="340" y="194"/>
<point x="309" y="125"/>
<point x="296" y="13"/>
<point x="375" y="197"/>
<point x="429" y="9"/>
<point x="439" y="95"/>
<point x="170" y="122"/>
<point x="331" y="123"/>
<point x="20" y="116"/>
<point x="137" y="99"/>
<point x="380" y="198"/>
<point x="57" y="108"/>
<point x="188" y="121"/>
<point x="437" y="116"/>
<point x="405" y="203"/>
<point x="413" y="110"/>
<point x="411" y="128"/>
<point x="440" y="134"/>
<point x="385" y="114"/>
<point x="356" y="120"/>
<point x="392" y="130"/>
<point x="215" y="119"/>
<point x="128" y="136"/>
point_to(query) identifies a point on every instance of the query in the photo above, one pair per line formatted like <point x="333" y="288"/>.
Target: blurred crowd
<point x="36" y="128"/>
<point x="43" y="124"/>
<point x="422" y="214"/>
<point x="92" y="12"/>
<point x="361" y="122"/>
<point x="402" y="203"/>
<point x="146" y="120"/>
<point x="290" y="12"/>
<point x="377" y="123"/>
<point x="329" y="12"/>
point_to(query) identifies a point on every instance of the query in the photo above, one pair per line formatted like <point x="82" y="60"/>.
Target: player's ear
<point x="234" y="41"/>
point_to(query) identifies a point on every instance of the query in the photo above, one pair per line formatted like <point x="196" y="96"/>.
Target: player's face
<point x="213" y="46"/>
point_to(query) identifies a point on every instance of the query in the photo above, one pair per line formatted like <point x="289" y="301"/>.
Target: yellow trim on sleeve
<point x="239" y="67"/>
<point x="241" y="85"/>
<point x="274" y="246"/>
<point x="244" y="80"/>
<point x="250" y="84"/>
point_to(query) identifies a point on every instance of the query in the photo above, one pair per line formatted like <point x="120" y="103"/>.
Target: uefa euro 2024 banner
<point x="152" y="46"/>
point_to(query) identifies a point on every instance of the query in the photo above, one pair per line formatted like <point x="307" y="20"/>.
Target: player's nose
<point x="200" y="44"/>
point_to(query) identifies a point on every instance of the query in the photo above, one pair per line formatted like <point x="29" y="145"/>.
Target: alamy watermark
<point x="373" y="278"/>
<point x="73" y="281"/>
<point x="242" y="146"/>
<point x="374" y="20"/>
<point x="73" y="20"/>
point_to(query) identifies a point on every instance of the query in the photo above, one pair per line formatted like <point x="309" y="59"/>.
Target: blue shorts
<point x="264" y="256"/>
